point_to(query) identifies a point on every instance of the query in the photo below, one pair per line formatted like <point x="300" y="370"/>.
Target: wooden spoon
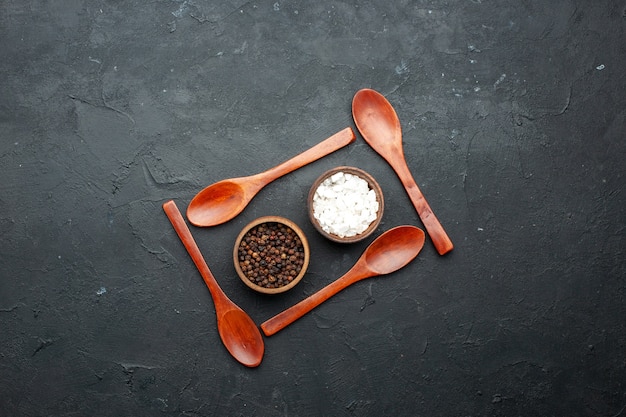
<point x="379" y="124"/>
<point x="239" y="333"/>
<point x="220" y="202"/>
<point x="389" y="252"/>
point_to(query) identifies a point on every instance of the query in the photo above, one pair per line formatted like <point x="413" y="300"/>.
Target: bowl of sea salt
<point x="345" y="204"/>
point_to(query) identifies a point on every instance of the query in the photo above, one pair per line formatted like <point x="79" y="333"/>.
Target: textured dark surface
<point x="514" y="115"/>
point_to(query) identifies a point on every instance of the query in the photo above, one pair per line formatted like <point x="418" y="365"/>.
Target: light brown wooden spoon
<point x="222" y="201"/>
<point x="379" y="124"/>
<point x="238" y="332"/>
<point x="389" y="252"/>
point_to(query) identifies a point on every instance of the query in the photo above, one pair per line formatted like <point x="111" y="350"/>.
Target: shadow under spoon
<point x="379" y="125"/>
<point x="387" y="253"/>
<point x="222" y="201"/>
<point x="239" y="334"/>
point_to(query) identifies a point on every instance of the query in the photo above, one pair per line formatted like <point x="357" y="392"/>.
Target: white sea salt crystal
<point x="344" y="205"/>
<point x="336" y="178"/>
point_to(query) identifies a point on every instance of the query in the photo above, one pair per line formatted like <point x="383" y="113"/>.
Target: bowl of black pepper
<point x="271" y="254"/>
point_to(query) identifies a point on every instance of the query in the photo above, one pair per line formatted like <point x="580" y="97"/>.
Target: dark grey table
<point x="514" y="116"/>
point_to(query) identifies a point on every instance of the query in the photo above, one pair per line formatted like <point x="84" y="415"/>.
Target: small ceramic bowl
<point x="328" y="230"/>
<point x="271" y="254"/>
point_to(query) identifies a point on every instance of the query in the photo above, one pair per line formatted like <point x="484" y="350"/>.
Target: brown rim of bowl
<point x="373" y="185"/>
<point x="292" y="226"/>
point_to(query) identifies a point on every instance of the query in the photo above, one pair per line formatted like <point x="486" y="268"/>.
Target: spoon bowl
<point x="240" y="341"/>
<point x="393" y="250"/>
<point x="222" y="201"/>
<point x="219" y="202"/>
<point x="389" y="252"/>
<point x="380" y="126"/>
<point x="239" y="334"/>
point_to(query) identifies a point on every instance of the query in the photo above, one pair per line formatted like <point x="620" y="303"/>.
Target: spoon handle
<point x="293" y="313"/>
<point x="328" y="146"/>
<point x="435" y="230"/>
<point x="185" y="236"/>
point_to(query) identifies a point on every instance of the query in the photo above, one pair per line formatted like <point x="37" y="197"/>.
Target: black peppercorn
<point x="271" y="255"/>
